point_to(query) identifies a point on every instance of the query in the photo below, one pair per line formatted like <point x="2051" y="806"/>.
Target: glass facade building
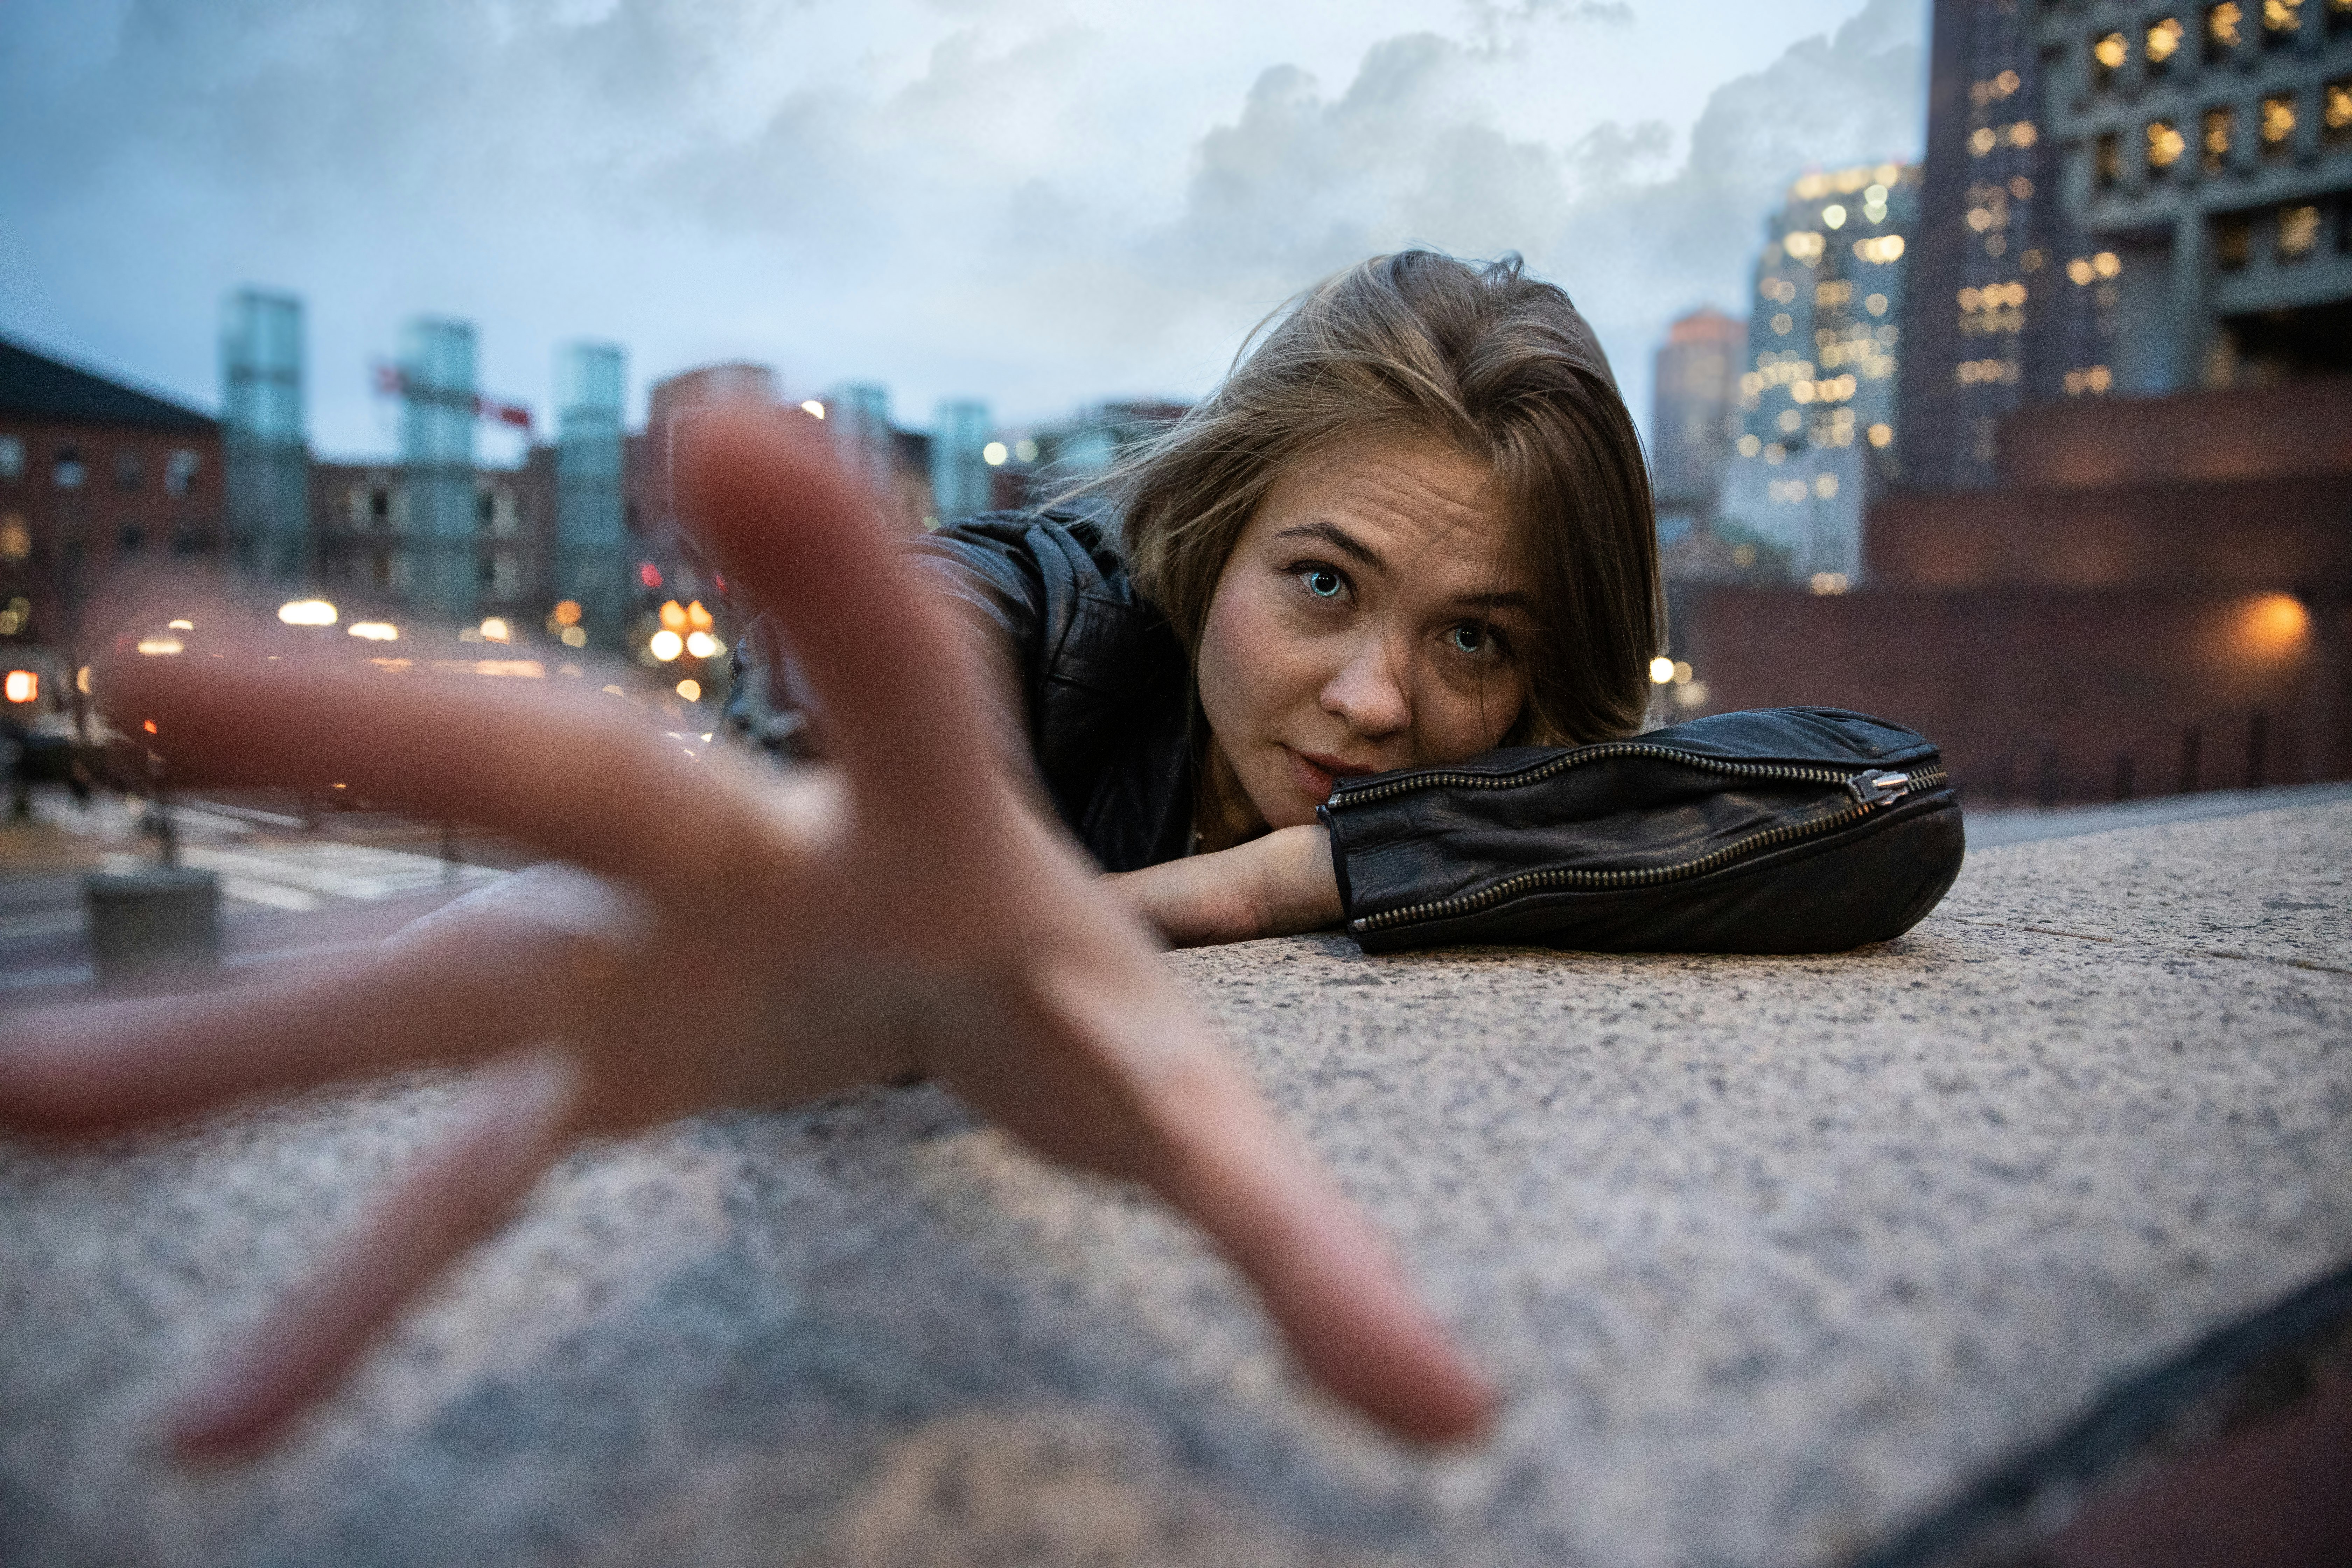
<point x="437" y="451"/>
<point x="1817" y="402"/>
<point x="593" y="557"/>
<point x="266" y="450"/>
<point x="962" y="484"/>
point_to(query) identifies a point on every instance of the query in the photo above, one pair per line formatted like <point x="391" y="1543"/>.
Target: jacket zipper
<point x="1870" y="788"/>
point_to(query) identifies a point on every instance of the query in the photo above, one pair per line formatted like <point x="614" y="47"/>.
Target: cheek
<point x="1250" y="668"/>
<point x="1456" y="723"/>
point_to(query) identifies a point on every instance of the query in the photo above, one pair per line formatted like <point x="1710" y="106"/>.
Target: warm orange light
<point x="148" y="725"/>
<point x="567" y="614"/>
<point x="673" y="617"/>
<point x="697" y="617"/>
<point x="22" y="686"/>
<point x="2275" y="625"/>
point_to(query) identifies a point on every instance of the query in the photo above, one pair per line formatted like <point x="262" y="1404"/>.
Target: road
<point x="292" y="883"/>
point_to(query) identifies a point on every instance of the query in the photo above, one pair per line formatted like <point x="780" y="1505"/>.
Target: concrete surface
<point x="2017" y="825"/>
<point x="1780" y="1262"/>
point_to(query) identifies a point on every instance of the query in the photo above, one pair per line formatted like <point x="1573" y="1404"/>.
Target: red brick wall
<point x="94" y="516"/>
<point x="2275" y="532"/>
<point x="2040" y="692"/>
<point x="2300" y="429"/>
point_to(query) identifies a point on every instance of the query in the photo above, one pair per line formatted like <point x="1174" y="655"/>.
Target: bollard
<point x="144" y="923"/>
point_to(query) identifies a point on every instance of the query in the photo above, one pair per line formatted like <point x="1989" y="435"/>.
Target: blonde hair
<point x="1492" y="362"/>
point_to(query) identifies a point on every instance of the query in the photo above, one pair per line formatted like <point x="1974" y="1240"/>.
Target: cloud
<point x="1496" y="26"/>
<point x="1301" y="183"/>
<point x="1039" y="201"/>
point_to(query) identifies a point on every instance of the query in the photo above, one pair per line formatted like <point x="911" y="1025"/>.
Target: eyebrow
<point x="1339" y="539"/>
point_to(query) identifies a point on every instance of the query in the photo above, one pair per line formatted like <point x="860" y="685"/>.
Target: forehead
<point x="1420" y="505"/>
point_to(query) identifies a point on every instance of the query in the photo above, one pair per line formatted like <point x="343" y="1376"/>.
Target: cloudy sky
<point x="1042" y="202"/>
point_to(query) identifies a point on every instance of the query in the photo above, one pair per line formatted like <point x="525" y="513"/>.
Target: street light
<point x="307" y="613"/>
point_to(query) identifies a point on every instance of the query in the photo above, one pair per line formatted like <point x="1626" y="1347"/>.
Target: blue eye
<point x="1468" y="637"/>
<point x="1322" y="581"/>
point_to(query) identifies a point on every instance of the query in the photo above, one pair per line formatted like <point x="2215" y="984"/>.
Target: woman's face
<point x="1365" y="621"/>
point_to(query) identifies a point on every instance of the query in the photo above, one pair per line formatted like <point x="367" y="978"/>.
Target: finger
<point x="580" y="777"/>
<point x="767" y="499"/>
<point x="451" y="1198"/>
<point x="1138" y="1091"/>
<point x="467" y="994"/>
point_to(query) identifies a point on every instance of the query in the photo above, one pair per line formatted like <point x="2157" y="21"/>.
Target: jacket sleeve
<point x="1785" y="830"/>
<point x="1003" y="574"/>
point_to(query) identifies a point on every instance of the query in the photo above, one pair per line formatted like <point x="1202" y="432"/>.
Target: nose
<point x="1368" y="690"/>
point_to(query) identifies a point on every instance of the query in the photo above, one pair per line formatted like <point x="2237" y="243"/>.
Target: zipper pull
<point x="1876" y="789"/>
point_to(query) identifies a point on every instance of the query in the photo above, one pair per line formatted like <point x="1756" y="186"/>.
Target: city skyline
<point x="1295" y="148"/>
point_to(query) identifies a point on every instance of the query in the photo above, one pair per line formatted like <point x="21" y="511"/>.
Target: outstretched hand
<point x="758" y="939"/>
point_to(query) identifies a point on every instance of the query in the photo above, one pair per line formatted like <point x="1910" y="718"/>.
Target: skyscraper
<point x="961" y="480"/>
<point x="2206" y="155"/>
<point x="858" y="421"/>
<point x="1817" y="400"/>
<point x="1693" y="419"/>
<point x="266" y="453"/>
<point x="592" y="551"/>
<point x="436" y="448"/>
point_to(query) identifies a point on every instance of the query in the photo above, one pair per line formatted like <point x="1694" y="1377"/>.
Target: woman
<point x="1412" y="526"/>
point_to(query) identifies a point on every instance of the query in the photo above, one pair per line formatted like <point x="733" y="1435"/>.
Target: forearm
<point x="1275" y="885"/>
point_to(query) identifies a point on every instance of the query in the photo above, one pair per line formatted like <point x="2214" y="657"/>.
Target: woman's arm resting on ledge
<point x="1278" y="884"/>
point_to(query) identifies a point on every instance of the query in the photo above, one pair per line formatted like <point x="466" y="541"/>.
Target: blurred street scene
<point x="1999" y="382"/>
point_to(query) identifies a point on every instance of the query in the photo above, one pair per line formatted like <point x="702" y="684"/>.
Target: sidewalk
<point x="1895" y="1256"/>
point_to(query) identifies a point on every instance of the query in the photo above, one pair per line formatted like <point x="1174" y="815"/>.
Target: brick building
<point x="363" y="544"/>
<point x="93" y="474"/>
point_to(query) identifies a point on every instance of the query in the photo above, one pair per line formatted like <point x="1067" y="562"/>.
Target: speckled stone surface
<point x="1771" y="1256"/>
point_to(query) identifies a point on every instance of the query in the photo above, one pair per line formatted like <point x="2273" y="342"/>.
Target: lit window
<point x="1875" y="304"/>
<point x="2024" y="135"/>
<point x="2108" y="52"/>
<point x="2278" y="124"/>
<point x="2021" y="187"/>
<point x="2164" y="40"/>
<point x="2106" y="264"/>
<point x="1749" y="445"/>
<point x="12" y="456"/>
<point x="2298" y="232"/>
<point x="2335" y="111"/>
<point x="2281" y="19"/>
<point x="180" y="471"/>
<point x="1790" y="420"/>
<point x="2220" y="130"/>
<point x="1782" y="323"/>
<point x="2222" y="25"/>
<point x="68" y="473"/>
<point x="2165" y="145"/>
<point x="2006" y="81"/>
<point x="1981" y="141"/>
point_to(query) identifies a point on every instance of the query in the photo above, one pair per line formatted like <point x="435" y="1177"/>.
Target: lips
<point x="1315" y="772"/>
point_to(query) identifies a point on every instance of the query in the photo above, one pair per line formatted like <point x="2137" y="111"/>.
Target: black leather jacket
<point x="1108" y="687"/>
<point x="1788" y="830"/>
